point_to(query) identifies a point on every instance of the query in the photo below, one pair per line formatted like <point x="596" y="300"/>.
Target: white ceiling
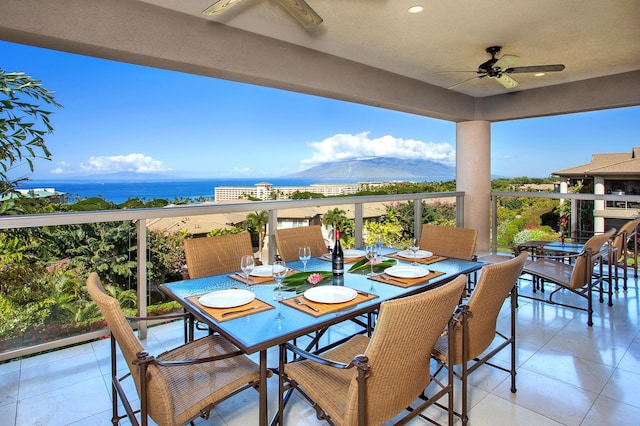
<point x="592" y="38"/>
<point x="367" y="51"/>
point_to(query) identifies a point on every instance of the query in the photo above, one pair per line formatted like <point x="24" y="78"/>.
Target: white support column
<point x="598" y="188"/>
<point x="473" y="176"/>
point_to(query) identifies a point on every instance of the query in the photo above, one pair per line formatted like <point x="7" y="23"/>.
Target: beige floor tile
<point x="606" y="411"/>
<point x="585" y="374"/>
<point x="551" y="398"/>
<point x="493" y="410"/>
<point x="623" y="386"/>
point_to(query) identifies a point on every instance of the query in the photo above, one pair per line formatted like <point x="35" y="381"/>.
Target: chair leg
<point x="514" y="305"/>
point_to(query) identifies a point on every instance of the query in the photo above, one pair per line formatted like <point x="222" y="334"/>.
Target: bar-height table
<point x="265" y="329"/>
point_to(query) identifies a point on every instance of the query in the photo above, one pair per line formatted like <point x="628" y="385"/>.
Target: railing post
<point x="494" y="224"/>
<point x="272" y="225"/>
<point x="141" y="230"/>
<point x="460" y="211"/>
<point x="359" y="224"/>
<point x="417" y="218"/>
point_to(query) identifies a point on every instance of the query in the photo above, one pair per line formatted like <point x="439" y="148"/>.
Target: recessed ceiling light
<point x="416" y="9"/>
<point x="539" y="74"/>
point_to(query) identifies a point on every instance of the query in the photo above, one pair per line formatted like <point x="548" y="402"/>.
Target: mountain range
<point x="380" y="168"/>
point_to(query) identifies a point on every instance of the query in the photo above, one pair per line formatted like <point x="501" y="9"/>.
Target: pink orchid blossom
<point x="315" y="278"/>
<point x="374" y="262"/>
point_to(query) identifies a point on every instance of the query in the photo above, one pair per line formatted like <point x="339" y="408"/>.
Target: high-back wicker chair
<point x="579" y="276"/>
<point x="289" y="240"/>
<point x="179" y="385"/>
<point x="459" y="243"/>
<point x="367" y="381"/>
<point x="475" y="329"/>
<point x="627" y="234"/>
<point x="216" y="255"/>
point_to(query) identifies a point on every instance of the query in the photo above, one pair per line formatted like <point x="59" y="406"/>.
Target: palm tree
<point x="334" y="219"/>
<point x="258" y="222"/>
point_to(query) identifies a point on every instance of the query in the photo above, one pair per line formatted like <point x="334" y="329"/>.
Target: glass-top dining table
<point x="280" y="323"/>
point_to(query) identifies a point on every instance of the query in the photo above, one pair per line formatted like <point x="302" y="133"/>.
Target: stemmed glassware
<point x="304" y="253"/>
<point x="247" y="264"/>
<point x="370" y="252"/>
<point x="278" y="271"/>
<point x="415" y="246"/>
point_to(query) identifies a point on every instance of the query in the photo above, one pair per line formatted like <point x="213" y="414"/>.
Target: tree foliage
<point x="23" y="127"/>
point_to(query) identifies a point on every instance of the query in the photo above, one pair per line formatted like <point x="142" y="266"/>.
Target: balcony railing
<point x="141" y="216"/>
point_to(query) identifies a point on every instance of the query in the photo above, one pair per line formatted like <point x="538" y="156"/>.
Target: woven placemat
<point x="325" y="308"/>
<point x="405" y="282"/>
<point x="327" y="257"/>
<point x="238" y="276"/>
<point x="425" y="260"/>
<point x="218" y="314"/>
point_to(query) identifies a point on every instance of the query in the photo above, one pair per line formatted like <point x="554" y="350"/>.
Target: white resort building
<point x="266" y="191"/>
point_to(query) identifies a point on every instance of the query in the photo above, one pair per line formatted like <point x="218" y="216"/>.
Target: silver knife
<point x="237" y="311"/>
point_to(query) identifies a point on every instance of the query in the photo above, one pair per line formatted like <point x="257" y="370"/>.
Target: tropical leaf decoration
<point x="301" y="281"/>
<point x="363" y="266"/>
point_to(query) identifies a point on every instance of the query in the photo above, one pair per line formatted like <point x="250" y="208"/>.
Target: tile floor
<point x="568" y="374"/>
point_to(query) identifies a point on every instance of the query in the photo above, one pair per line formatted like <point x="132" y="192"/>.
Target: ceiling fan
<point x="298" y="8"/>
<point x="498" y="69"/>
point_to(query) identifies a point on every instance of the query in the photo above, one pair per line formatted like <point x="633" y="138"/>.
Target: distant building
<point x="615" y="173"/>
<point x="55" y="196"/>
<point x="266" y="191"/>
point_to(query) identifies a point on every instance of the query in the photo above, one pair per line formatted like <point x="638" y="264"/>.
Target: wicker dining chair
<point x="216" y="255"/>
<point x="475" y="328"/>
<point x="368" y="381"/>
<point x="177" y="386"/>
<point x="578" y="276"/>
<point x="459" y="243"/>
<point x="289" y="240"/>
<point x="628" y="234"/>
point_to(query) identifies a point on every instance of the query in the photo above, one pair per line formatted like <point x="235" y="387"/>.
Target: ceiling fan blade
<point x="302" y="12"/>
<point x="219" y="7"/>
<point x="505" y="61"/>
<point x="535" y="68"/>
<point x="465" y="81"/>
<point x="506" y="81"/>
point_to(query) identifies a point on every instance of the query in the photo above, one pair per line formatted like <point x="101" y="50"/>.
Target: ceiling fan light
<point x="415" y="9"/>
<point x="539" y="74"/>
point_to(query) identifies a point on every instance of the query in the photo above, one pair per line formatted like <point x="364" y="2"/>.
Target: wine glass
<point x="247" y="264"/>
<point x="279" y="271"/>
<point x="370" y="252"/>
<point x="415" y="246"/>
<point x="379" y="244"/>
<point x="304" y="253"/>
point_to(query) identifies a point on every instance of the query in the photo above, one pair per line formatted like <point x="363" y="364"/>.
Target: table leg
<point x="263" y="388"/>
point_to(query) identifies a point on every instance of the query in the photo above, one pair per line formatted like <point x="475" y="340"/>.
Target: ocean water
<point x="120" y="191"/>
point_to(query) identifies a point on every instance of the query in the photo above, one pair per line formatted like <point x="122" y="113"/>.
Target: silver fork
<point x="300" y="302"/>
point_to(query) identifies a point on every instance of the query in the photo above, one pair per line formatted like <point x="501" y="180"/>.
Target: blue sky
<point x="122" y="117"/>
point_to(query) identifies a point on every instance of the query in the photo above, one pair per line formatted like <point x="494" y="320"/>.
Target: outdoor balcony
<point x="568" y="374"/>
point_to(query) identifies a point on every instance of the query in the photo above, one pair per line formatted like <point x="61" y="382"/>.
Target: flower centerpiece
<point x="301" y="281"/>
<point x="364" y="265"/>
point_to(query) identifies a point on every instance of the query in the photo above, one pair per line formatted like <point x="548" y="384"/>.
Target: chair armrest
<point x="323" y="361"/>
<point x="144" y="358"/>
<point x="159" y="317"/>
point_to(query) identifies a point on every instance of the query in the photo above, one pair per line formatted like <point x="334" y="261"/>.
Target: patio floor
<point x="568" y="374"/>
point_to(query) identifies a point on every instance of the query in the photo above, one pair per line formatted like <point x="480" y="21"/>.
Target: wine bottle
<point x="337" y="257"/>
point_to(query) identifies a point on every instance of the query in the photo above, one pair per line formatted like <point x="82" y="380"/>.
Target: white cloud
<point x="139" y="163"/>
<point x="347" y="147"/>
<point x="241" y="170"/>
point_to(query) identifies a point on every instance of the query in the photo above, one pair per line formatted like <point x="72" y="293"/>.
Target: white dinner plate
<point x="227" y="298"/>
<point x="407" y="271"/>
<point x="420" y="254"/>
<point x="354" y="253"/>
<point x="261" y="271"/>
<point x="330" y="294"/>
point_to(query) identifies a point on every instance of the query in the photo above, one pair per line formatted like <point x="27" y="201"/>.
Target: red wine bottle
<point x="337" y="257"/>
